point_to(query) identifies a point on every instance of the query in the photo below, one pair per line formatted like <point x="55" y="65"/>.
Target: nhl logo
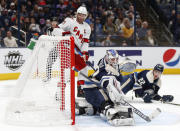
<point x="14" y="60"/>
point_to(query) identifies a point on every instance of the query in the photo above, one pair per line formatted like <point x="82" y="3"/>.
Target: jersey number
<point x="141" y="81"/>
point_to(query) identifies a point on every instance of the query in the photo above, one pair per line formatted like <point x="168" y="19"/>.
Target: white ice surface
<point x="168" y="120"/>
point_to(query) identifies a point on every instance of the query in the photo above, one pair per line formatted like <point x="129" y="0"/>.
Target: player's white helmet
<point x="82" y="10"/>
<point x="112" y="57"/>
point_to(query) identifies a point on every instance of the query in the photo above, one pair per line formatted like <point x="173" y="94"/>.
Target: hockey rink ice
<point x="168" y="120"/>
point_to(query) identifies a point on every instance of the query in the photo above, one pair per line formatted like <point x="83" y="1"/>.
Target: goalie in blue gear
<point x="104" y="100"/>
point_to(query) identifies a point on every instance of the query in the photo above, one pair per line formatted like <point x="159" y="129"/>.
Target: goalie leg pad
<point x="113" y="88"/>
<point x="119" y="115"/>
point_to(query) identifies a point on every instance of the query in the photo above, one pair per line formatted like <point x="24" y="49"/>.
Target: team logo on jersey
<point x="14" y="60"/>
<point x="171" y="57"/>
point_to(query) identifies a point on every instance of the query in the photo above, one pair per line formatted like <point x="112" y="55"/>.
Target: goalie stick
<point x="149" y="118"/>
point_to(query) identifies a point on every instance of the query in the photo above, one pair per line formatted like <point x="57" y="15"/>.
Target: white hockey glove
<point x="112" y="70"/>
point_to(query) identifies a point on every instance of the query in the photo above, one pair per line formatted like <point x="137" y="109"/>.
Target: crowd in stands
<point x="113" y="22"/>
<point x="169" y="12"/>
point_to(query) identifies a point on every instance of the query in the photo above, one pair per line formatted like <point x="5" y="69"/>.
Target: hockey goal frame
<point x="63" y="43"/>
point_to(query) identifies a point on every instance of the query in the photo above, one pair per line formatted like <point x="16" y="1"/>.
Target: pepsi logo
<point x="171" y="57"/>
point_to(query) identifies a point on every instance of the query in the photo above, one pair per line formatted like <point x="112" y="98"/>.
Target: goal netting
<point x="45" y="94"/>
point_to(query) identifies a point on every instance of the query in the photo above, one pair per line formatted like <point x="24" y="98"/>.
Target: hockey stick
<point x="135" y="110"/>
<point x="169" y="103"/>
<point x="90" y="64"/>
<point x="175" y="104"/>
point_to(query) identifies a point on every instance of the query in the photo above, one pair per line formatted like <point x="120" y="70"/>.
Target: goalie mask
<point x="112" y="57"/>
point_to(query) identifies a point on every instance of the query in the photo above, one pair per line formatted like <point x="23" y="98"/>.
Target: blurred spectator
<point x="119" y="20"/>
<point x="131" y="9"/>
<point x="150" y="39"/>
<point x="54" y="24"/>
<point x="2" y="6"/>
<point x="4" y="18"/>
<point x="138" y="24"/>
<point x="124" y="43"/>
<point x="99" y="29"/>
<point x="23" y="12"/>
<point x="26" y="24"/>
<point x="1" y="40"/>
<point x="131" y="18"/>
<point x="89" y="19"/>
<point x="126" y="4"/>
<point x="142" y="32"/>
<point x="34" y="27"/>
<point x="110" y="27"/>
<point x="127" y="31"/>
<point x="36" y="11"/>
<point x="107" y="41"/>
<point x="172" y="21"/>
<point x="49" y="28"/>
<point x="9" y="40"/>
<point x="177" y="31"/>
<point x="12" y="10"/>
<point x="29" y="6"/>
<point x="48" y="25"/>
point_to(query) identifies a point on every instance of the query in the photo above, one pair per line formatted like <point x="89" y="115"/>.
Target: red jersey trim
<point x="86" y="40"/>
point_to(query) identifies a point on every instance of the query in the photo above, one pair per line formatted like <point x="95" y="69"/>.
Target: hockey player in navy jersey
<point x="146" y="84"/>
<point x="149" y="83"/>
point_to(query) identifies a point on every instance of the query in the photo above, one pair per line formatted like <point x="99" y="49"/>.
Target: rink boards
<point x="12" y="59"/>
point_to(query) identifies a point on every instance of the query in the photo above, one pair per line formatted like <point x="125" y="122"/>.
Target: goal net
<point x="45" y="94"/>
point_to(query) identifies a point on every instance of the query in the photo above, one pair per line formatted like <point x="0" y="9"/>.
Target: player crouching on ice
<point x="105" y="99"/>
<point x="148" y="83"/>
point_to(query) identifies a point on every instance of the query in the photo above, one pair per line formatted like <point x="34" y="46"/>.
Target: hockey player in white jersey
<point x="81" y="32"/>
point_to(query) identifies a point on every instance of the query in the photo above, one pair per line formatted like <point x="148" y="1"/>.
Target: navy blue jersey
<point x="101" y="71"/>
<point x="146" y="80"/>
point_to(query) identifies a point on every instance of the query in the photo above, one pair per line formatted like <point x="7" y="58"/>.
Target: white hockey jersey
<point x="80" y="32"/>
